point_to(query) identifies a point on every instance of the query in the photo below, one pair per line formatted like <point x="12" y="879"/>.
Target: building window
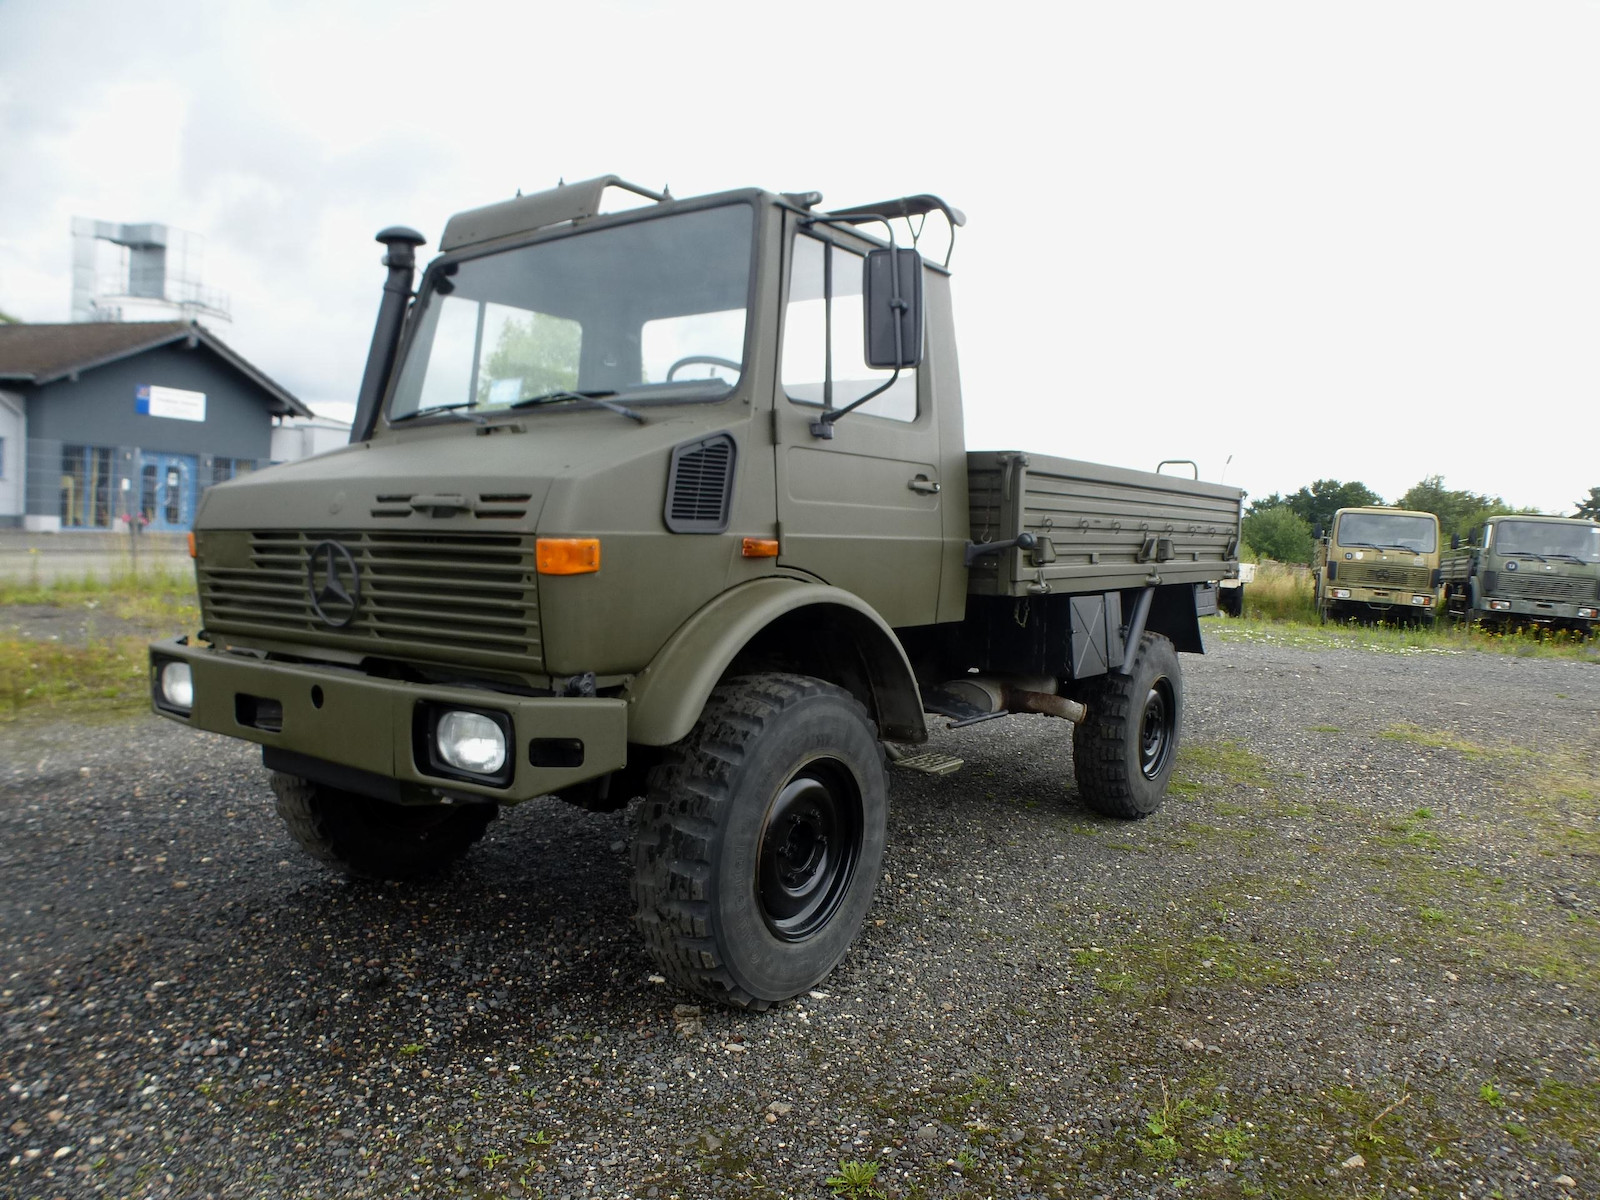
<point x="147" y="492"/>
<point x="224" y="469"/>
<point x="86" y="487"/>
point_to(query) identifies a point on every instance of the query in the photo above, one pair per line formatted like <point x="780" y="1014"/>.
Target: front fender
<point x="665" y="699"/>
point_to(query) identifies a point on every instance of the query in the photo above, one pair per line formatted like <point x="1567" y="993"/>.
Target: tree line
<point x="1282" y="526"/>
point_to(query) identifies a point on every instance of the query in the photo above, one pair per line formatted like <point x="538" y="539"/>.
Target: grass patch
<point x="1226" y="760"/>
<point x="1442" y="739"/>
<point x="155" y="594"/>
<point x="1442" y="637"/>
<point x="106" y="675"/>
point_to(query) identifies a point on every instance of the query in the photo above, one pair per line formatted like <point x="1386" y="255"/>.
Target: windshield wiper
<point x="1568" y="557"/>
<point x="560" y="395"/>
<point x="449" y="409"/>
<point x="1366" y="545"/>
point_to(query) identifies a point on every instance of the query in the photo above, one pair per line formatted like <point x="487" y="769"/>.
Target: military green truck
<point x="674" y="502"/>
<point x="1376" y="564"/>
<point x="1526" y="570"/>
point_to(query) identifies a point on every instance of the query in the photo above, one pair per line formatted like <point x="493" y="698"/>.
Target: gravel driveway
<point x="1356" y="954"/>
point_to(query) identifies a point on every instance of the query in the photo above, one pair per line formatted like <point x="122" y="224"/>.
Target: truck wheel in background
<point x="1123" y="752"/>
<point x="373" y="838"/>
<point x="757" y="849"/>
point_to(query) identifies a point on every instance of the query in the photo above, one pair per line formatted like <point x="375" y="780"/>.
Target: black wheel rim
<point x="1157" y="729"/>
<point x="810" y="845"/>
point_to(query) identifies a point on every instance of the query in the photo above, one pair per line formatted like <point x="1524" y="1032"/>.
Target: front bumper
<point x="1384" y="598"/>
<point x="1576" y="615"/>
<point x="371" y="727"/>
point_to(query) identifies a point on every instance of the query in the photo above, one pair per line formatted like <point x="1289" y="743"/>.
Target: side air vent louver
<point x="700" y="485"/>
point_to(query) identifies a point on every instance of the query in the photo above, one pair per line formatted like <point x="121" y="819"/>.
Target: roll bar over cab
<point x="675" y="502"/>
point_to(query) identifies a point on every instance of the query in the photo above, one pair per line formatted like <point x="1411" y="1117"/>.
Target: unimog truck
<point x="1377" y="564"/>
<point x="1526" y="570"/>
<point x="674" y="503"/>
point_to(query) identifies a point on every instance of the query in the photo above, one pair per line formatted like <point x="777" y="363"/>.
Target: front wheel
<point x="758" y="846"/>
<point x="1124" y="751"/>
<point x="374" y="839"/>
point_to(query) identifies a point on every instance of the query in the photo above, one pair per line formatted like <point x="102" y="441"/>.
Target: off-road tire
<point x="1123" y="752"/>
<point x="777" y="766"/>
<point x="373" y="839"/>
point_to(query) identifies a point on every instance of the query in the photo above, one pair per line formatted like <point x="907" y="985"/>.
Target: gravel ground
<point x="1356" y="954"/>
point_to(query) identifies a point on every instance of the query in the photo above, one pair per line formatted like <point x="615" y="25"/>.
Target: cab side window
<point x="824" y="353"/>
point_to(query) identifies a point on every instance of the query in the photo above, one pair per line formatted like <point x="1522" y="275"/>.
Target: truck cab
<point x="1527" y="570"/>
<point x="1377" y="563"/>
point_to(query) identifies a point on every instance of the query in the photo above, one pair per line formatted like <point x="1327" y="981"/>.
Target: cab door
<point x="862" y="510"/>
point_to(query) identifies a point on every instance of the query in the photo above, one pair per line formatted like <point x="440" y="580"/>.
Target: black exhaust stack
<point x="401" y="260"/>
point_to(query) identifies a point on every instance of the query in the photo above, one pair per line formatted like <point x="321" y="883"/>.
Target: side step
<point x="928" y="762"/>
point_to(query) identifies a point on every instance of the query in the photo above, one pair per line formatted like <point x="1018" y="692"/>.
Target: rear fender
<point x="776" y="623"/>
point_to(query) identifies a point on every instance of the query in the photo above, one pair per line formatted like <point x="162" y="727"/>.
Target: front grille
<point x="441" y="597"/>
<point x="1561" y="589"/>
<point x="1414" y="579"/>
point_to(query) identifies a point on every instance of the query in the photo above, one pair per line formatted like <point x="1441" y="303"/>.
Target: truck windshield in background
<point x="1386" y="531"/>
<point x="1544" y="539"/>
<point x="649" y="309"/>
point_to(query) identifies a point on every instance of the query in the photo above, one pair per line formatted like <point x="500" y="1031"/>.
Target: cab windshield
<point x="1389" y="531"/>
<point x="651" y="309"/>
<point x="1541" y="539"/>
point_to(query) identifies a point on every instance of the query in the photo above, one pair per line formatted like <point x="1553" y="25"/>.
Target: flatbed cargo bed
<point x="1098" y="527"/>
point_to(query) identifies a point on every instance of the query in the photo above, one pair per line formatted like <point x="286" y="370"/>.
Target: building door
<point x="167" y="490"/>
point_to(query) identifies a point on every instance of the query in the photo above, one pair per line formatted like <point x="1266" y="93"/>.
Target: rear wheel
<point x="758" y="847"/>
<point x="1123" y="753"/>
<point x="372" y="838"/>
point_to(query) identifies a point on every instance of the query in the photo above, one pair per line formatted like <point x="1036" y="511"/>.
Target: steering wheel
<point x="709" y="360"/>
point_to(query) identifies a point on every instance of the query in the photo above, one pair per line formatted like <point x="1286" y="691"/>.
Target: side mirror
<point x="891" y="292"/>
<point x="1318" y="533"/>
<point x="1455" y="541"/>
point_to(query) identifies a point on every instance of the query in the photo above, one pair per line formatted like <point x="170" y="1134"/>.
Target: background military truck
<point x="1526" y="570"/>
<point x="1377" y="563"/>
<point x="675" y="502"/>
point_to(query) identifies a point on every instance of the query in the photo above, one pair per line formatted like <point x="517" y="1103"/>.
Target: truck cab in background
<point x="1526" y="570"/>
<point x="1377" y="564"/>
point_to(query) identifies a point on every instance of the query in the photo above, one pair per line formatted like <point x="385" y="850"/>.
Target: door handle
<point x="928" y="487"/>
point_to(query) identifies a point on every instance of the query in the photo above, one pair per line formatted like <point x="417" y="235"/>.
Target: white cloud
<point x="1352" y="241"/>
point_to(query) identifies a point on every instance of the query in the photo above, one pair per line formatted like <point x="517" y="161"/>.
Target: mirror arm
<point x="823" y="426"/>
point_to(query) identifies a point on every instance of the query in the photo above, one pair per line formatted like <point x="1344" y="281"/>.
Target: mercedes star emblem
<point x="334" y="581"/>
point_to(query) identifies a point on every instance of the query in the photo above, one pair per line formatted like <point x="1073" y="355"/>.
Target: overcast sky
<point x="1350" y="240"/>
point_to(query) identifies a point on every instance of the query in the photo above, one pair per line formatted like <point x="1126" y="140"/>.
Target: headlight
<point x="1340" y="593"/>
<point x="470" y="741"/>
<point x="1422" y="599"/>
<point x="177" y="685"/>
<point x="1500" y="605"/>
<point x="1589" y="612"/>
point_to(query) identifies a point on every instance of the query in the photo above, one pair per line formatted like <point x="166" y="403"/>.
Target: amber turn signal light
<point x="191" y="545"/>
<point x="761" y="547"/>
<point x="567" y="556"/>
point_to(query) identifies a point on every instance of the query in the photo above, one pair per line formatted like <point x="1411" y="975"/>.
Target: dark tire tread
<point x="1101" y="745"/>
<point x="674" y="828"/>
<point x="327" y="825"/>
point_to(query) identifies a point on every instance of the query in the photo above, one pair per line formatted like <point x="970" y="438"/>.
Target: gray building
<point x="102" y="423"/>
